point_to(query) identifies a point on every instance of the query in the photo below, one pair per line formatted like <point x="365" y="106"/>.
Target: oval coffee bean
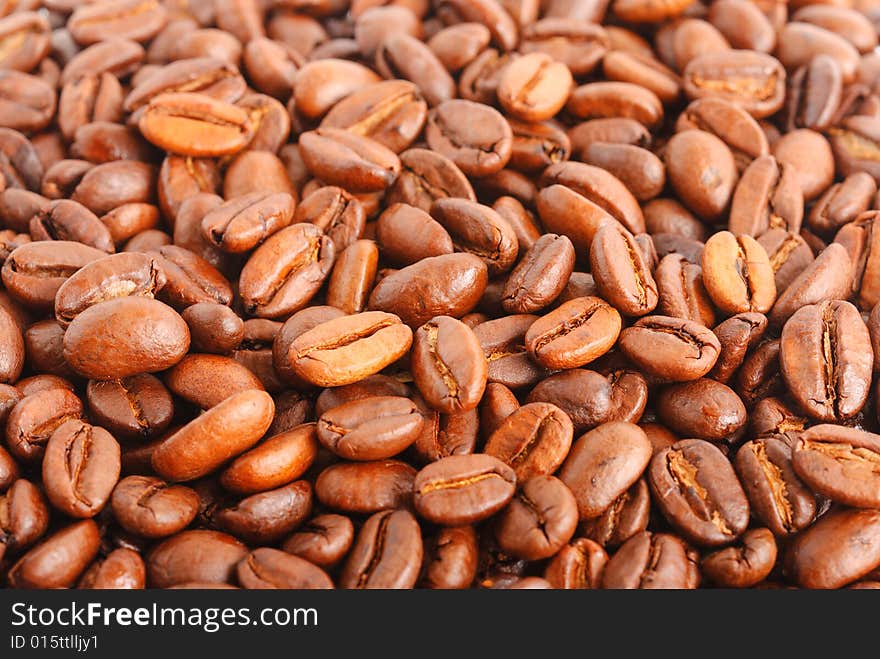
<point x="462" y="489"/>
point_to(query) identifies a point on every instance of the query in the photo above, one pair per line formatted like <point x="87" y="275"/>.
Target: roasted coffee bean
<point x="574" y="334"/>
<point x="729" y="122"/>
<point x="737" y="335"/>
<point x="462" y="489"/>
<point x="838" y="549"/>
<point x="200" y="556"/>
<point x="386" y="554"/>
<point x="840" y="463"/>
<point x="370" y="429"/>
<point x="828" y="277"/>
<point x="475" y="137"/>
<point x="789" y="255"/>
<point x="150" y="507"/>
<point x="753" y="80"/>
<point x="447" y="285"/>
<point x="603" y="464"/>
<point x="622" y="276"/>
<point x="534" y="440"/>
<point x="265" y="517"/>
<point x="698" y="492"/>
<point x="35" y="417"/>
<point x="323" y="541"/>
<point x="349" y="348"/>
<point x="80" y="468"/>
<point x="704" y="408"/>
<point x="826" y="359"/>
<point x="59" y="560"/>
<point x="577" y="566"/>
<point x="768" y="196"/>
<point x="681" y="290"/>
<point x="448" y="365"/>
<point x="539" y="520"/>
<point x="357" y="163"/>
<point x="657" y="344"/>
<point x="540" y="276"/>
<point x="702" y="171"/>
<point x="25" y="516"/>
<point x="652" y="561"/>
<point x="266" y="568"/>
<point x="223" y="432"/>
<point x="737" y="274"/>
<point x="366" y="487"/>
<point x="745" y="564"/>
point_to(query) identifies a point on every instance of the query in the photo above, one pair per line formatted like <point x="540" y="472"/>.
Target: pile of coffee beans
<point x="439" y="294"/>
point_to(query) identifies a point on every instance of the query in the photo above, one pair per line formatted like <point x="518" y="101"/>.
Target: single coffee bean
<point x="621" y="273"/>
<point x="200" y="556"/>
<point x="752" y="80"/>
<point x="767" y="196"/>
<point x="276" y="461"/>
<point x="349" y="348"/>
<point x="533" y="440"/>
<point x="652" y="561"/>
<point x="743" y="565"/>
<point x="730" y="123"/>
<point x="704" y="408"/>
<point x="80" y="468"/>
<point x="387" y="553"/>
<point x="150" y="507"/>
<point x="603" y="464"/>
<point x="736" y="335"/>
<point x="540" y="276"/>
<point x="221" y="433"/>
<point x="737" y="274"/>
<point x="840" y="463"/>
<point x="366" y="487"/>
<point x="657" y="343"/>
<point x="578" y="565"/>
<point x="473" y="136"/>
<point x="585" y="396"/>
<point x="195" y="125"/>
<point x="357" y="163"/>
<point x="25" y="516"/>
<point x="447" y="285"/>
<point x="448" y="365"/>
<point x="59" y="560"/>
<point x="826" y="359"/>
<point x="136" y="335"/>
<point x="462" y="489"/>
<point x="838" y="549"/>
<point x="828" y="277"/>
<point x="370" y="429"/>
<point x="324" y="540"/>
<point x="451" y="559"/>
<point x="681" y="290"/>
<point x="574" y="334"/>
<point x="540" y="519"/>
<point x="266" y="568"/>
<point x="268" y="516"/>
<point x="697" y="491"/>
<point x="35" y="417"/>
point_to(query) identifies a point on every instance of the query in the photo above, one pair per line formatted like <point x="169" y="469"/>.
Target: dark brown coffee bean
<point x="451" y="559"/>
<point x="681" y="290"/>
<point x="200" y="556"/>
<point x="266" y="568"/>
<point x="80" y="468"/>
<point x="533" y="440"/>
<point x="150" y="507"/>
<point x="838" y="549"/>
<point x="35" y="417"/>
<point x="697" y="491"/>
<point x="386" y="554"/>
<point x="603" y="464"/>
<point x="426" y="176"/>
<point x="366" y="487"/>
<point x="59" y="560"/>
<point x="266" y="517"/>
<point x="789" y="255"/>
<point x="462" y="489"/>
<point x="657" y="343"/>
<point x="475" y="137"/>
<point x="339" y="157"/>
<point x="540" y="519"/>
<point x="753" y="80"/>
<point x="826" y="359"/>
<point x="743" y="565"/>
<point x="840" y="463"/>
<point x="652" y="561"/>
<point x="736" y="335"/>
<point x="448" y="365"/>
<point x="621" y="273"/>
<point x="25" y="516"/>
<point x="324" y="540"/>
<point x="286" y="271"/>
<point x="768" y="196"/>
